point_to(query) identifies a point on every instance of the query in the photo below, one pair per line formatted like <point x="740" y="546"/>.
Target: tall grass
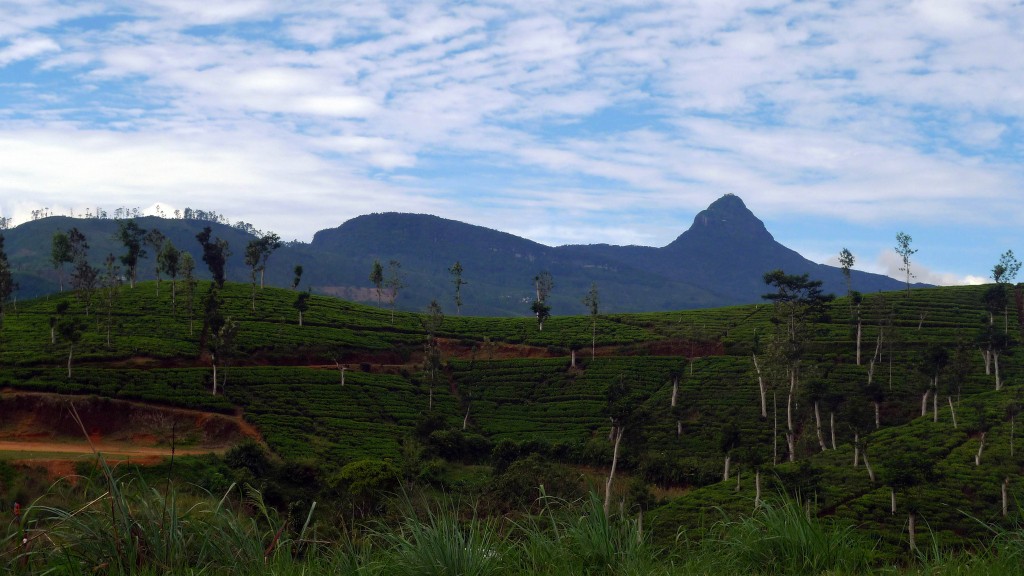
<point x="782" y="538"/>
<point x="124" y="526"/>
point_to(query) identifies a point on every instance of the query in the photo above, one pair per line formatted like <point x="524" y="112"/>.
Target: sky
<point x="839" y="123"/>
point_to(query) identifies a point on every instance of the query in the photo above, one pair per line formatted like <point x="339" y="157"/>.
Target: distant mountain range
<point x="720" y="260"/>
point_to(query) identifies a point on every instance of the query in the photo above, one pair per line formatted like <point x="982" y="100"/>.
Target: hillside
<point x="503" y="387"/>
<point x="720" y="260"/>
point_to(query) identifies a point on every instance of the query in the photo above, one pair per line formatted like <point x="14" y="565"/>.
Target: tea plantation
<point x="355" y="383"/>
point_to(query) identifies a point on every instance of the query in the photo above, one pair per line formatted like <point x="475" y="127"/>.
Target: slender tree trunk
<point x="53" y="335"/>
<point x="593" y="339"/>
<point x="1012" y="426"/>
<point x="757" y="488"/>
<point x="214" y="378"/>
<point x="935" y="402"/>
<point x="832" y="425"/>
<point x="924" y="402"/>
<point x="173" y="295"/>
<point x="986" y="355"/>
<point x="1006" y="499"/>
<point x="760" y="387"/>
<point x="912" y="531"/>
<point x="675" y="390"/>
<point x="817" y="426"/>
<point x="878" y="418"/>
<point x="995" y="364"/>
<point x="775" y="429"/>
<point x="892" y="500"/>
<point x="465" y="419"/>
<point x="679" y="428"/>
<point x="71" y="350"/>
<point x="790" y="432"/>
<point x="952" y="412"/>
<point x="611" y="474"/>
<point x="856" y="449"/>
<point x="725" y="474"/>
<point x="859" y="331"/>
<point x="981" y="446"/>
<point x="300" y="317"/>
<point x="262" y="270"/>
<point x="867" y="465"/>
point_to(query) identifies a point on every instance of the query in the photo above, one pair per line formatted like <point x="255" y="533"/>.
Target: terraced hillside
<point x="357" y="381"/>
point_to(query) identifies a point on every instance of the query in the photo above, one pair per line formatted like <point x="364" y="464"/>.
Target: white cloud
<point x="25" y="48"/>
<point x="862" y="112"/>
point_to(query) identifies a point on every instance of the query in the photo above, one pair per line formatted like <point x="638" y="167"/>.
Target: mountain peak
<point x="728" y="218"/>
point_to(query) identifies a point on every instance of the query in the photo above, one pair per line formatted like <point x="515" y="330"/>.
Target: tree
<point x="542" y="284"/>
<point x="1004" y="272"/>
<point x="169" y="262"/>
<point x="301" y="303"/>
<point x="798" y="304"/>
<point x="131" y="235"/>
<point x="60" y="254"/>
<point x="934" y="361"/>
<point x="456" y="272"/>
<point x="70" y="329"/>
<point x="269" y="243"/>
<point x="215" y="254"/>
<point x="155" y="240"/>
<point x="59" y="311"/>
<point x="728" y="440"/>
<point x="846" y="261"/>
<point x="83" y="280"/>
<point x="432" y="322"/>
<point x="298" y="277"/>
<point x="904" y="251"/>
<point x="7" y="284"/>
<point x="188" y="268"/>
<point x="394" y="283"/>
<point x="110" y="288"/>
<point x="592" y="301"/>
<point x="377" y="277"/>
<point x="625" y="411"/>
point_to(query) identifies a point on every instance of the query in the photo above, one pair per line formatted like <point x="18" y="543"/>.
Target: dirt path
<point x="105" y="448"/>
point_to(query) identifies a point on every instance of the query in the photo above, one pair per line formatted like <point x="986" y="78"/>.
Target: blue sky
<point x="839" y="123"/>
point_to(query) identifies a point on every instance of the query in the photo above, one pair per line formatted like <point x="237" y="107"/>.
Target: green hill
<point x="504" y="389"/>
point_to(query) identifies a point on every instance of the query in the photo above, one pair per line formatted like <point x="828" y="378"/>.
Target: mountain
<point x="720" y="260"/>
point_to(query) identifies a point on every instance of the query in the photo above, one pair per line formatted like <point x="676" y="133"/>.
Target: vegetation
<point x="494" y="408"/>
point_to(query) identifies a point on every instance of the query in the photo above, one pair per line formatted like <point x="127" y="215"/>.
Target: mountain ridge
<point x="719" y="260"/>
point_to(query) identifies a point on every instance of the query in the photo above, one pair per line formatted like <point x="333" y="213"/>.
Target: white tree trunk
<point x="725" y="474"/>
<point x="859" y="324"/>
<point x="71" y="350"/>
<point x="935" y="402"/>
<point x="757" y="488"/>
<point x="995" y="364"/>
<point x="912" y="531"/>
<point x="856" y="449"/>
<point x="986" y="355"/>
<point x="572" y="352"/>
<point x="611" y="474"/>
<point x="952" y="412"/>
<point x="465" y="419"/>
<point x="760" y="387"/>
<point x="878" y="419"/>
<point x="214" y="378"/>
<point x="775" y="429"/>
<point x="1005" y="490"/>
<point x="679" y="428"/>
<point x="817" y="426"/>
<point x="675" y="390"/>
<point x="924" y="402"/>
<point x="867" y="465"/>
<point x="832" y="426"/>
<point x="892" y="500"/>
<point x="981" y="446"/>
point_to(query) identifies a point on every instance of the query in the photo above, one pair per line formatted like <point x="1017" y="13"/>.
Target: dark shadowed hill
<point x="720" y="260"/>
